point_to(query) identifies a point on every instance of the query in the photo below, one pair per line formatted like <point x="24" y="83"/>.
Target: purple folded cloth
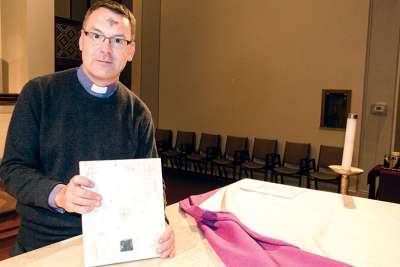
<point x="237" y="245"/>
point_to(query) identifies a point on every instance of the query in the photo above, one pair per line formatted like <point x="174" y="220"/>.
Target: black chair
<point x="163" y="142"/>
<point x="264" y="157"/>
<point x="236" y="152"/>
<point x="184" y="145"/>
<point x="295" y="162"/>
<point x="328" y="155"/>
<point x="209" y="149"/>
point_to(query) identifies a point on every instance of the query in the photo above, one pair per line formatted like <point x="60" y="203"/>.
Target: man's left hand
<point x="166" y="243"/>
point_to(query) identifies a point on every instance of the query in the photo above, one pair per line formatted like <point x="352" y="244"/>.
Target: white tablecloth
<point x="358" y="231"/>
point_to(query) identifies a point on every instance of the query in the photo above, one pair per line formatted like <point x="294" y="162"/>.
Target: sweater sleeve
<point x="147" y="143"/>
<point x="20" y="168"/>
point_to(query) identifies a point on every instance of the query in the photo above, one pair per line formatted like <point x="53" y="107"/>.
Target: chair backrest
<point x="295" y="152"/>
<point x="262" y="147"/>
<point x="329" y="155"/>
<point x="233" y="144"/>
<point x="164" y="138"/>
<point x="209" y="140"/>
<point x="185" y="138"/>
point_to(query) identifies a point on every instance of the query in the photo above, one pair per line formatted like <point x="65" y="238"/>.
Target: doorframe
<point x="396" y="104"/>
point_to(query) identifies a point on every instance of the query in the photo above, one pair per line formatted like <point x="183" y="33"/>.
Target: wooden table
<point x="358" y="231"/>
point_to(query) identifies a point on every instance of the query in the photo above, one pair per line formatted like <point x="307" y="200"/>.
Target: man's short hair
<point x="116" y="8"/>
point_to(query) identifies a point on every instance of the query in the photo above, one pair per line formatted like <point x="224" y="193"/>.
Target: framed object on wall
<point x="67" y="53"/>
<point x="335" y="106"/>
<point x="8" y="99"/>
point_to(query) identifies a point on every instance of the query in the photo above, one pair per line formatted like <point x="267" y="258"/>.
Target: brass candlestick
<point x="344" y="185"/>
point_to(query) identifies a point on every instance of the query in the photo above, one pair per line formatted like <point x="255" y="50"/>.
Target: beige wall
<point x="5" y="116"/>
<point x="14" y="44"/>
<point x="256" y="68"/>
<point x="27" y="42"/>
<point x="40" y="37"/>
<point x="137" y="60"/>
<point x="62" y="8"/>
<point x="150" y="55"/>
<point x="381" y="74"/>
<point x="1" y="58"/>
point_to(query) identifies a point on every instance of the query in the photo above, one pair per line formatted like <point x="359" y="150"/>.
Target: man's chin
<point x="104" y="77"/>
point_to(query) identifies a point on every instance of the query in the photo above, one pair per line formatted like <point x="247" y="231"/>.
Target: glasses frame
<point x="103" y="38"/>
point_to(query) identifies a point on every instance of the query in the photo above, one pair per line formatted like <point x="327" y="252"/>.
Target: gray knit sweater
<point x="56" y="124"/>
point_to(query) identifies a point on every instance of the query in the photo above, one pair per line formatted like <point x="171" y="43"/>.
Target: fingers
<point x="81" y="180"/>
<point x="75" y="197"/>
<point x="168" y="253"/>
<point x="81" y="201"/>
<point x="166" y="247"/>
<point x="81" y="192"/>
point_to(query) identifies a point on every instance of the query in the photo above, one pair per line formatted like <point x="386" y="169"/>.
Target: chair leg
<point x="316" y="184"/>
<point x="300" y="180"/>
<point x="199" y="167"/>
<point x="195" y="166"/>
<point x="282" y="182"/>
<point x="251" y="174"/>
<point x="234" y="172"/>
<point x="225" y="174"/>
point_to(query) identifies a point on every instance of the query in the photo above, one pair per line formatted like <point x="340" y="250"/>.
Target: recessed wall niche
<point x="335" y="106"/>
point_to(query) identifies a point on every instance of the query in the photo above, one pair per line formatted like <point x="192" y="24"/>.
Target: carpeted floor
<point x="181" y="184"/>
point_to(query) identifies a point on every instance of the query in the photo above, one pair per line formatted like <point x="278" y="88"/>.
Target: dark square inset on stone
<point x="126" y="245"/>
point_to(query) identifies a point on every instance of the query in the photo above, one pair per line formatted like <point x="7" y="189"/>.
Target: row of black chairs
<point x="208" y="157"/>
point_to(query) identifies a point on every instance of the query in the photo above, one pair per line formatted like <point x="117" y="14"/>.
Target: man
<point x="71" y="116"/>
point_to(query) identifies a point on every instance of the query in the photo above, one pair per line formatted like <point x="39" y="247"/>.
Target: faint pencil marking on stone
<point x="95" y="250"/>
<point x="124" y="215"/>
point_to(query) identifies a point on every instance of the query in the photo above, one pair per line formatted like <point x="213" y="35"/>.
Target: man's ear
<point x="81" y="40"/>
<point x="131" y="51"/>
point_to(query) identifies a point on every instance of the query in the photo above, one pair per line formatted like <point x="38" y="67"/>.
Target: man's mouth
<point x="104" y="61"/>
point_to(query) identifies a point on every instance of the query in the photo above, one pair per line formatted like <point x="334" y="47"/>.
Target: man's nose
<point x="106" y="45"/>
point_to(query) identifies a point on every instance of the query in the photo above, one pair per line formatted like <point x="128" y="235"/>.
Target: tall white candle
<point x="349" y="141"/>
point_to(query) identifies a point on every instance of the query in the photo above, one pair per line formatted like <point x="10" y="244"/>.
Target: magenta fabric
<point x="237" y="245"/>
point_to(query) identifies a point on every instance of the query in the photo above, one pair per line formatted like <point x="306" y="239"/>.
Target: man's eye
<point x="96" y="36"/>
<point x="118" y="40"/>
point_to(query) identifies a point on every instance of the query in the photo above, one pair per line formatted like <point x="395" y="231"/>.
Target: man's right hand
<point x="74" y="197"/>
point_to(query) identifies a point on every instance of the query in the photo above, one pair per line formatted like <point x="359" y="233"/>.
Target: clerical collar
<point x="93" y="89"/>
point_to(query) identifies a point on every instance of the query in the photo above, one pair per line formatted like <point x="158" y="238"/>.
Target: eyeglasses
<point x="97" y="39"/>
